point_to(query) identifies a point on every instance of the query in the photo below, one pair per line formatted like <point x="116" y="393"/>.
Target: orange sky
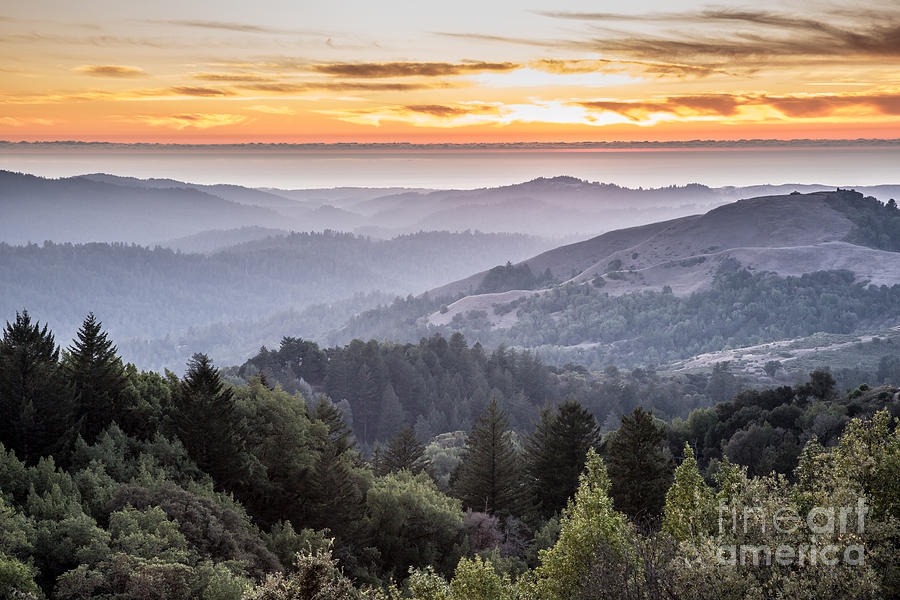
<point x="282" y="71"/>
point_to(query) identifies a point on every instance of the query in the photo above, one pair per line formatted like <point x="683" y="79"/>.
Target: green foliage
<point x="555" y="454"/>
<point x="489" y="476"/>
<point x="587" y="522"/>
<point x="286" y="543"/>
<point x="34" y="403"/>
<point x="640" y="466"/>
<point x="741" y="308"/>
<point x="17" y="579"/>
<point x="203" y="417"/>
<point x="435" y="386"/>
<point x="444" y="454"/>
<point x="404" y="453"/>
<point x="689" y="512"/>
<point x="425" y="584"/>
<point x="315" y="577"/>
<point x="512" y="277"/>
<point x="412" y="523"/>
<point x="476" y="579"/>
<point x="876" y="225"/>
<point x="97" y="377"/>
<point x="133" y="514"/>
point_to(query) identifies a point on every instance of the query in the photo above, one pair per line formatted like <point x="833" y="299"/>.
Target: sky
<point x="460" y="72"/>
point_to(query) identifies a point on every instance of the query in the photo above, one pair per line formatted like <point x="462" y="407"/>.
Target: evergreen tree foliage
<point x="391" y="417"/>
<point x="489" y="476"/>
<point x="640" y="466"/>
<point x="97" y="377"/>
<point x="336" y="490"/>
<point x="689" y="511"/>
<point x="555" y="453"/>
<point x="404" y="452"/>
<point x="34" y="405"/>
<point x="203" y="417"/>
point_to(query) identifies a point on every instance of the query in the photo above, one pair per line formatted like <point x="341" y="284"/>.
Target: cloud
<point x="118" y="71"/>
<point x="410" y="69"/>
<point x="185" y="120"/>
<point x="22" y="121"/>
<point x="444" y="111"/>
<point x="271" y="110"/>
<point x="737" y="40"/>
<point x="720" y="105"/>
<point x="203" y="92"/>
<point x="475" y="113"/>
<point x="608" y="65"/>
<point x="654" y="67"/>
<point x="733" y="108"/>
<point x="764" y="34"/>
<point x="340" y="86"/>
<point x="751" y="106"/>
<point x="227" y="26"/>
<point x="233" y="77"/>
<point x="826" y="105"/>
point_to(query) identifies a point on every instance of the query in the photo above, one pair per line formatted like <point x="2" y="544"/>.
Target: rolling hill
<point x="78" y="209"/>
<point x="747" y="273"/>
<point x="787" y="235"/>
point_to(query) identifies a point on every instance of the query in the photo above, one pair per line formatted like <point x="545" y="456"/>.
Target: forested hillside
<point x="120" y="484"/>
<point x="583" y="323"/>
<point x="755" y="271"/>
<point x="443" y="384"/>
<point x="175" y="292"/>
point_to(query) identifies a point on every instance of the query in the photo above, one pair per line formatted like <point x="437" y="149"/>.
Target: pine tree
<point x="640" y="468"/>
<point x="489" y="476"/>
<point x="203" y="417"/>
<point x="391" y="415"/>
<point x="555" y="453"/>
<point x="340" y="438"/>
<point x="33" y="402"/>
<point x="97" y="377"/>
<point x="404" y="452"/>
<point x="335" y="496"/>
<point x="690" y="504"/>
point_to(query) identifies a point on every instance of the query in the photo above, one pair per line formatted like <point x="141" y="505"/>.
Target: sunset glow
<point x="276" y="71"/>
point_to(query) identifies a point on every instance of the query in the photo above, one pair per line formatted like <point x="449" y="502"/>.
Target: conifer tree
<point x="489" y="476"/>
<point x="640" y="467"/>
<point x="33" y="402"/>
<point x="335" y="495"/>
<point x="555" y="454"/>
<point x="339" y="438"/>
<point x="391" y="415"/>
<point x="97" y="377"/>
<point x="203" y="417"/>
<point x="404" y="452"/>
<point x="690" y="504"/>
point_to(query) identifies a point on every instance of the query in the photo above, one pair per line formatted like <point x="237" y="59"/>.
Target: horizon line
<point x="587" y="145"/>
